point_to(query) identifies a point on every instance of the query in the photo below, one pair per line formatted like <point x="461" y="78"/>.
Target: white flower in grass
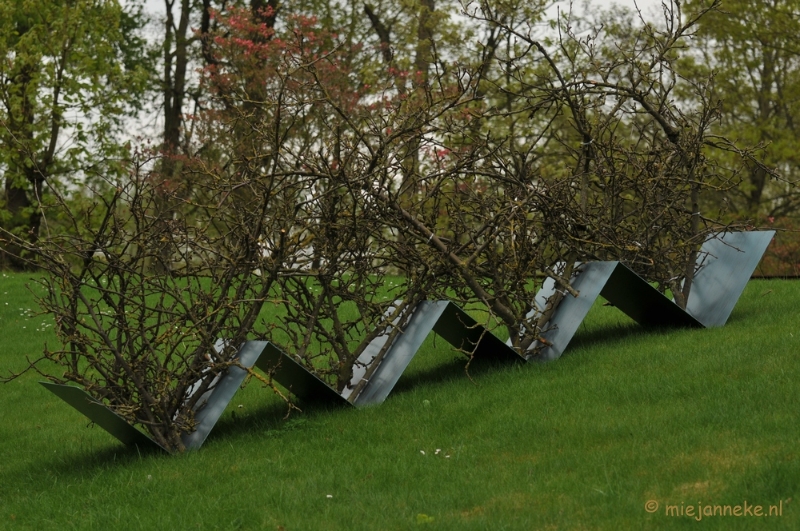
<point x="329" y="496"/>
<point x="422" y="452"/>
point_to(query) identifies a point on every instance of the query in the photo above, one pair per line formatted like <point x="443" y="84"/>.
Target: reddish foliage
<point x="255" y="59"/>
<point x="782" y="258"/>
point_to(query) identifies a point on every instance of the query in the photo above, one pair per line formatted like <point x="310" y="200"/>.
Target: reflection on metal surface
<point x="451" y="323"/>
<point x="399" y="355"/>
<point x="726" y="263"/>
<point x="381" y="353"/>
<point x="213" y="403"/>
<point x="571" y="312"/>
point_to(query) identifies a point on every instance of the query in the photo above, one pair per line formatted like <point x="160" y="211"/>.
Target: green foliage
<point x="752" y="52"/>
<point x="70" y="72"/>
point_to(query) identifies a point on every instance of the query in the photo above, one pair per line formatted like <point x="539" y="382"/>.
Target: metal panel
<point x="642" y="302"/>
<point x="294" y="377"/>
<point x="213" y="403"/>
<point x="569" y="315"/>
<point x="400" y="354"/>
<point x="373" y="350"/>
<point x="727" y="262"/>
<point x="449" y="321"/>
<point x="208" y="410"/>
<point x="463" y="332"/>
<point x="617" y="284"/>
<point x="101" y="415"/>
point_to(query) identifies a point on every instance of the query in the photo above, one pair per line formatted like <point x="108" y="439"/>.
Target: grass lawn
<point x="628" y="417"/>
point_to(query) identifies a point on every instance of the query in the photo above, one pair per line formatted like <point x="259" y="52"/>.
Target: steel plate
<point x="101" y="415"/>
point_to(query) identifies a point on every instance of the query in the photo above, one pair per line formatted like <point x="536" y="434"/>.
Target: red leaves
<point x="301" y="57"/>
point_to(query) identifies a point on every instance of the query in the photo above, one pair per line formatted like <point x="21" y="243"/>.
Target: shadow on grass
<point x="448" y="371"/>
<point x="743" y="315"/>
<point x="609" y="335"/>
<point x="87" y="462"/>
<point x="455" y="367"/>
<point x="270" y="420"/>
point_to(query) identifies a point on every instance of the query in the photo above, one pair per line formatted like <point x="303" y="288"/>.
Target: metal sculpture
<point x="726" y="263"/>
<point x="101" y="415"/>
<point x="618" y="285"/>
<point x="209" y="407"/>
<point x="380" y="366"/>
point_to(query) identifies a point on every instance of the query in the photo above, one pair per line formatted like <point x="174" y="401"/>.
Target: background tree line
<point x="76" y="75"/>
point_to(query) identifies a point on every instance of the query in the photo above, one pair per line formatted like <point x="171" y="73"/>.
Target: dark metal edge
<point x="101" y="415"/>
<point x="464" y="333"/>
<point x="295" y="378"/>
<point x="642" y="302"/>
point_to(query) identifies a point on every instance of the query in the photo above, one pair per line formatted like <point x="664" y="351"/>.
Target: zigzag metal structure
<point x="727" y="262"/>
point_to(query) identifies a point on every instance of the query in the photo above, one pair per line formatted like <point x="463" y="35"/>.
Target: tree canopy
<point x="753" y="52"/>
<point x="71" y="73"/>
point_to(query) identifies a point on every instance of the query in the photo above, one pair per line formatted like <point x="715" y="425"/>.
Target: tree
<point x="71" y="73"/>
<point x="753" y="51"/>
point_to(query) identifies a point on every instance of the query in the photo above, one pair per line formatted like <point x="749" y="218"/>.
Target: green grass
<point x="686" y="417"/>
